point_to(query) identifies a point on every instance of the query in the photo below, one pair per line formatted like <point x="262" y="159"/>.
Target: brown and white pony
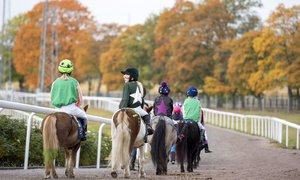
<point x="60" y="131"/>
<point x="128" y="132"/>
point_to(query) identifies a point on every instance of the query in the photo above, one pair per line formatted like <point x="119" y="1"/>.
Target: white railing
<point x="16" y="111"/>
<point x="269" y="127"/>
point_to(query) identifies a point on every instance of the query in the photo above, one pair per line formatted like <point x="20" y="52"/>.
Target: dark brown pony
<point x="128" y="132"/>
<point x="60" y="131"/>
<point x="188" y="145"/>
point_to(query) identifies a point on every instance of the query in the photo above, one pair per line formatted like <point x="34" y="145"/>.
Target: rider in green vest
<point x="192" y="110"/>
<point x="66" y="94"/>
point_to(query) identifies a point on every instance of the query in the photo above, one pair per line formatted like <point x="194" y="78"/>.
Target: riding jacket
<point x="163" y="106"/>
<point x="132" y="95"/>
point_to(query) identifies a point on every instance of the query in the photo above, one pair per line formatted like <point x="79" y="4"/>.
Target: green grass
<point x="292" y="117"/>
<point x="94" y="126"/>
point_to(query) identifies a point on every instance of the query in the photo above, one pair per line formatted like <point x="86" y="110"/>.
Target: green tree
<point x="11" y="29"/>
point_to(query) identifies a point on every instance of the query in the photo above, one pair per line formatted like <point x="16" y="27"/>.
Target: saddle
<point x="80" y="126"/>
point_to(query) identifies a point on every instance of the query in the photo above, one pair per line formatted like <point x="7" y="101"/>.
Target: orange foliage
<point x="73" y="23"/>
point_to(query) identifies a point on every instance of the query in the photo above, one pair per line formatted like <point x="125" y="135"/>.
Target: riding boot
<point x="146" y="119"/>
<point x="85" y="129"/>
<point x="83" y="122"/>
<point x="207" y="149"/>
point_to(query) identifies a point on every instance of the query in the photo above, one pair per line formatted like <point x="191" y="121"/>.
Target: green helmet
<point x="65" y="66"/>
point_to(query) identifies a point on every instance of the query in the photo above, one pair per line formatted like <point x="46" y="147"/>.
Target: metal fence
<point x="268" y="127"/>
<point x="18" y="111"/>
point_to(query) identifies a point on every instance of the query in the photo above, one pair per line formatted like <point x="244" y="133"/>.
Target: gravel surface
<point x="235" y="156"/>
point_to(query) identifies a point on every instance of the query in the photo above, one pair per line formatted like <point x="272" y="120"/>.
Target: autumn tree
<point x="187" y="35"/>
<point x="105" y="35"/>
<point x="245" y="17"/>
<point x="72" y="23"/>
<point x="285" y="22"/>
<point x="242" y="64"/>
<point x="133" y="48"/>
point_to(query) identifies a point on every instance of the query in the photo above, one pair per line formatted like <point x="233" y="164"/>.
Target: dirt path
<point x="235" y="156"/>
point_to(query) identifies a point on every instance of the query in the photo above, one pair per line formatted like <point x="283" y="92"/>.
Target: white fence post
<point x="28" y="140"/>
<point x="77" y="158"/>
<point x="99" y="145"/>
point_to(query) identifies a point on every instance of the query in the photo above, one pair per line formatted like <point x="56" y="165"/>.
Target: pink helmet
<point x="177" y="109"/>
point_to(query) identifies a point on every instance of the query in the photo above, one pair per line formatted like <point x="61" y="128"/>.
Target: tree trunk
<point x="98" y="88"/>
<point x="259" y="99"/>
<point x="298" y="98"/>
<point x="207" y="101"/>
<point x="290" y="99"/>
<point x="243" y="101"/>
<point x="234" y="100"/>
<point x="219" y="101"/>
<point x="21" y="84"/>
<point x="89" y="86"/>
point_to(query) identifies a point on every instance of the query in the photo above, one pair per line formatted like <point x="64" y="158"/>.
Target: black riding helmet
<point x="132" y="72"/>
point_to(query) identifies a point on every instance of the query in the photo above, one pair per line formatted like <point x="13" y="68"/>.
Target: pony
<point x="60" y="130"/>
<point x="188" y="144"/>
<point x="165" y="135"/>
<point x="128" y="131"/>
<point x="199" y="148"/>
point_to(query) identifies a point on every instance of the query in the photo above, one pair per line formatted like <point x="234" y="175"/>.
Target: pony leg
<point x="127" y="170"/>
<point x="73" y="160"/>
<point x="47" y="173"/>
<point x="114" y="164"/>
<point x="142" y="173"/>
<point x="69" y="164"/>
<point x="54" y="174"/>
<point x="50" y="169"/>
<point x="190" y="163"/>
<point x="182" y="167"/>
<point x="67" y="156"/>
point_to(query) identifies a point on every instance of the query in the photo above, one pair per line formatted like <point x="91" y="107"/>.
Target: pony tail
<point x="181" y="146"/>
<point x="50" y="140"/>
<point x="158" y="150"/>
<point x="121" y="139"/>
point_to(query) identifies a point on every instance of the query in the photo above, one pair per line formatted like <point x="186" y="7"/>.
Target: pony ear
<point x="86" y="107"/>
<point x="149" y="109"/>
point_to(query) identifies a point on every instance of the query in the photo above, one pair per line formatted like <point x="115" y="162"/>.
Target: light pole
<point x="43" y="48"/>
<point x="2" y="48"/>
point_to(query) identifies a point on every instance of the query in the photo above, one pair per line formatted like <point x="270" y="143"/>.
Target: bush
<point x="13" y="141"/>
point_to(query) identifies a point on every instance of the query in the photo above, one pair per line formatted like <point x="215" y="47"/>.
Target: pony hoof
<point x="47" y="177"/>
<point x="127" y="177"/>
<point x="114" y="174"/>
<point x="142" y="175"/>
